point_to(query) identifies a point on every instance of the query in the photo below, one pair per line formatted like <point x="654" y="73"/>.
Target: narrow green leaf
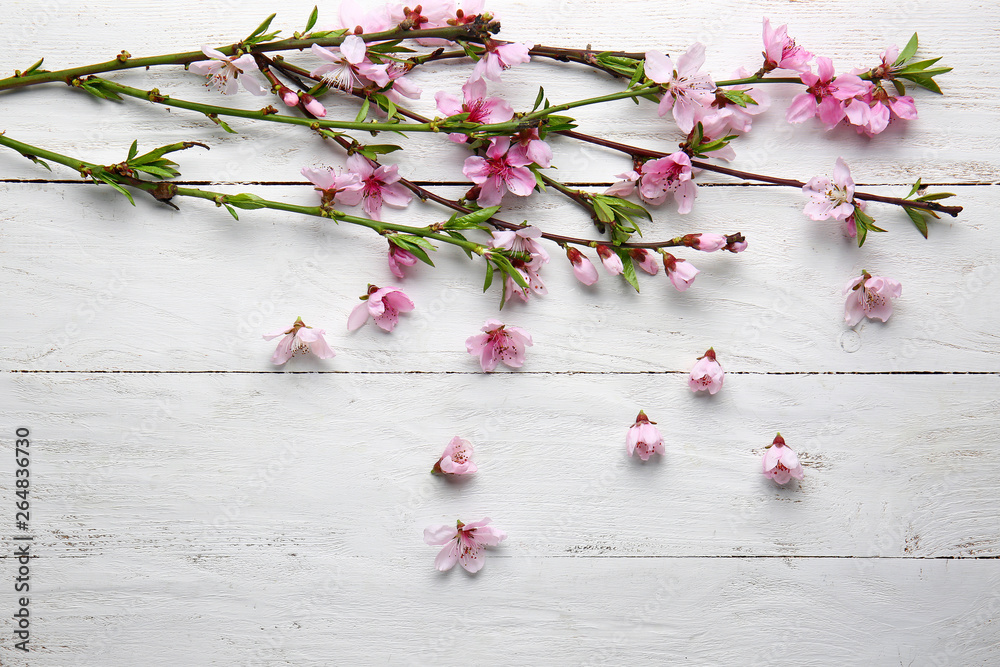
<point x="920" y="65"/>
<point x="472" y="220"/>
<point x="489" y="276"/>
<point x="924" y="82"/>
<point x="739" y="97"/>
<point x="232" y="211"/>
<point x="156" y="171"/>
<point x="913" y="190"/>
<point x="628" y="268"/>
<point x="908" y="51"/>
<point x="261" y="28"/>
<point x="538" y="100"/>
<point x="107" y="179"/>
<point x="363" y="111"/>
<point x="934" y="196"/>
<point x="133" y="150"/>
<point x="37" y="161"/>
<point x="603" y="211"/>
<point x="311" y="21"/>
<point x="33" y="68"/>
<point x="899" y="86"/>
<point x="245" y="201"/>
<point x="918" y="220"/>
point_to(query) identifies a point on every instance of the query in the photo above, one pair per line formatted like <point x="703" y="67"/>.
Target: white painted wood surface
<point x="194" y="505"/>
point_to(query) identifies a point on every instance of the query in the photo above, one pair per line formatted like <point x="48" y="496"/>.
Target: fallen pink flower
<point x="383" y="304"/>
<point x="463" y="544"/>
<point x="707" y="374"/>
<point x="869" y="296"/>
<point x="300" y="339"/>
<point x="225" y="74"/>
<point x="644" y="438"/>
<point x="456" y="460"/>
<point x="780" y="463"/>
<point x="499" y="343"/>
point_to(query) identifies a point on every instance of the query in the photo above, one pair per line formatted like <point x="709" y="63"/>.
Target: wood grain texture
<point x="194" y="505"/>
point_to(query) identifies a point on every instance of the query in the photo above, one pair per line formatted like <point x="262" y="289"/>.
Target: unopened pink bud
<point x="288" y="96"/>
<point x="313" y="105"/>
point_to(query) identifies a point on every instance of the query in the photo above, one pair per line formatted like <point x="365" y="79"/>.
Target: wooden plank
<point x="214" y="464"/>
<point x="274" y="607"/>
<point x="936" y="147"/>
<point x="97" y="284"/>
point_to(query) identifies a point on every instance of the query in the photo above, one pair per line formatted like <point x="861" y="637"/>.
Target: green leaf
<point x="232" y="211"/>
<point x="221" y="123"/>
<point x="470" y="50"/>
<point x="623" y="66"/>
<point x="37" y="161"/>
<point x="132" y="150"/>
<point x="899" y="86"/>
<point x="603" y="211"/>
<point x="489" y="276"/>
<point x="389" y="47"/>
<point x="920" y="65"/>
<point x="934" y="196"/>
<point x="918" y="220"/>
<point x="261" y="28"/>
<point x="739" y="97"/>
<point x="472" y="220"/>
<point x="908" y="51"/>
<point x="862" y="233"/>
<point x="363" y="111"/>
<point x="923" y="81"/>
<point x="913" y="190"/>
<point x="245" y="201"/>
<point x="157" y="171"/>
<point x="311" y="21"/>
<point x="458" y="235"/>
<point x="408" y="243"/>
<point x="628" y="268"/>
<point x="538" y="100"/>
<point x="107" y="179"/>
<point x="33" y="68"/>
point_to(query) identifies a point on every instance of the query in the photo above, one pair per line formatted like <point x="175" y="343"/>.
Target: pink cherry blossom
<point x="780" y="463"/>
<point x="313" y="106"/>
<point x="463" y="544"/>
<point x="383" y="304"/>
<point x="626" y="186"/>
<point x="380" y="185"/>
<point x="680" y="271"/>
<point x="499" y="57"/>
<point x="529" y="272"/>
<point x="706" y="242"/>
<point x="825" y="95"/>
<point x="727" y="115"/>
<point x="869" y="296"/>
<point x="707" y="374"/>
<point x="874" y="111"/>
<point x="583" y="269"/>
<point x="612" y="262"/>
<point x="288" y="96"/>
<point x="671" y="176"/>
<point x="354" y="15"/>
<point x="481" y="109"/>
<point x="398" y="258"/>
<point x="528" y="148"/>
<point x="343" y="68"/>
<point x="456" y="460"/>
<point x="499" y="172"/>
<point x="831" y="199"/>
<point x="225" y="74"/>
<point x="524" y="240"/>
<point x="300" y="339"/>
<point x="646" y="260"/>
<point x="687" y="91"/>
<point x="781" y="52"/>
<point x="644" y="438"/>
<point x="335" y="187"/>
<point x="499" y="343"/>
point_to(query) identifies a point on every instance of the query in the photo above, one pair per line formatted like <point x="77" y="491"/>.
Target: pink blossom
<point x="528" y="147"/>
<point x="669" y="175"/>
<point x="583" y="269"/>
<point x="383" y="304"/>
<point x="401" y="86"/>
<point x="499" y="57"/>
<point x="729" y="115"/>
<point x="825" y="95"/>
<point x="687" y="91"/>
<point x="523" y="240"/>
<point x="680" y="271"/>
<point x="780" y="462"/>
<point x="850" y="227"/>
<point x="643" y="437"/>
<point x="781" y="52"/>
<point x="463" y="544"/>
<point x="225" y="74"/>
<point x="334" y="187"/>
<point x="646" y="260"/>
<point x="706" y="242"/>
<point x="398" y="258"/>
<point x="300" y="339"/>
<point x="481" y="109"/>
<point x="873" y="112"/>
<point x="869" y="296"/>
<point x="529" y="272"/>
<point x="313" y="106"/>
<point x="707" y="374"/>
<point x="456" y="460"/>
<point x="612" y="262"/>
<point x="499" y="172"/>
<point x="342" y="70"/>
<point x="380" y="185"/>
<point x="626" y="186"/>
<point x="354" y="15"/>
<point x="499" y="343"/>
<point x="831" y="199"/>
<point x="288" y="96"/>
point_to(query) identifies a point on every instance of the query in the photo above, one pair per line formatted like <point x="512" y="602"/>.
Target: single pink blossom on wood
<point x="463" y="544"/>
<point x="870" y="296"/>
<point x="383" y="304"/>
<point x="225" y="74"/>
<point x="300" y="339"/>
<point x="831" y="198"/>
<point x="498" y="343"/>
<point x="707" y="374"/>
<point x="780" y="463"/>
<point x="825" y="95"/>
<point x="456" y="460"/>
<point x="644" y="437"/>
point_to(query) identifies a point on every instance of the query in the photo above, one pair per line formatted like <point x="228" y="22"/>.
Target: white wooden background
<point x="194" y="505"/>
